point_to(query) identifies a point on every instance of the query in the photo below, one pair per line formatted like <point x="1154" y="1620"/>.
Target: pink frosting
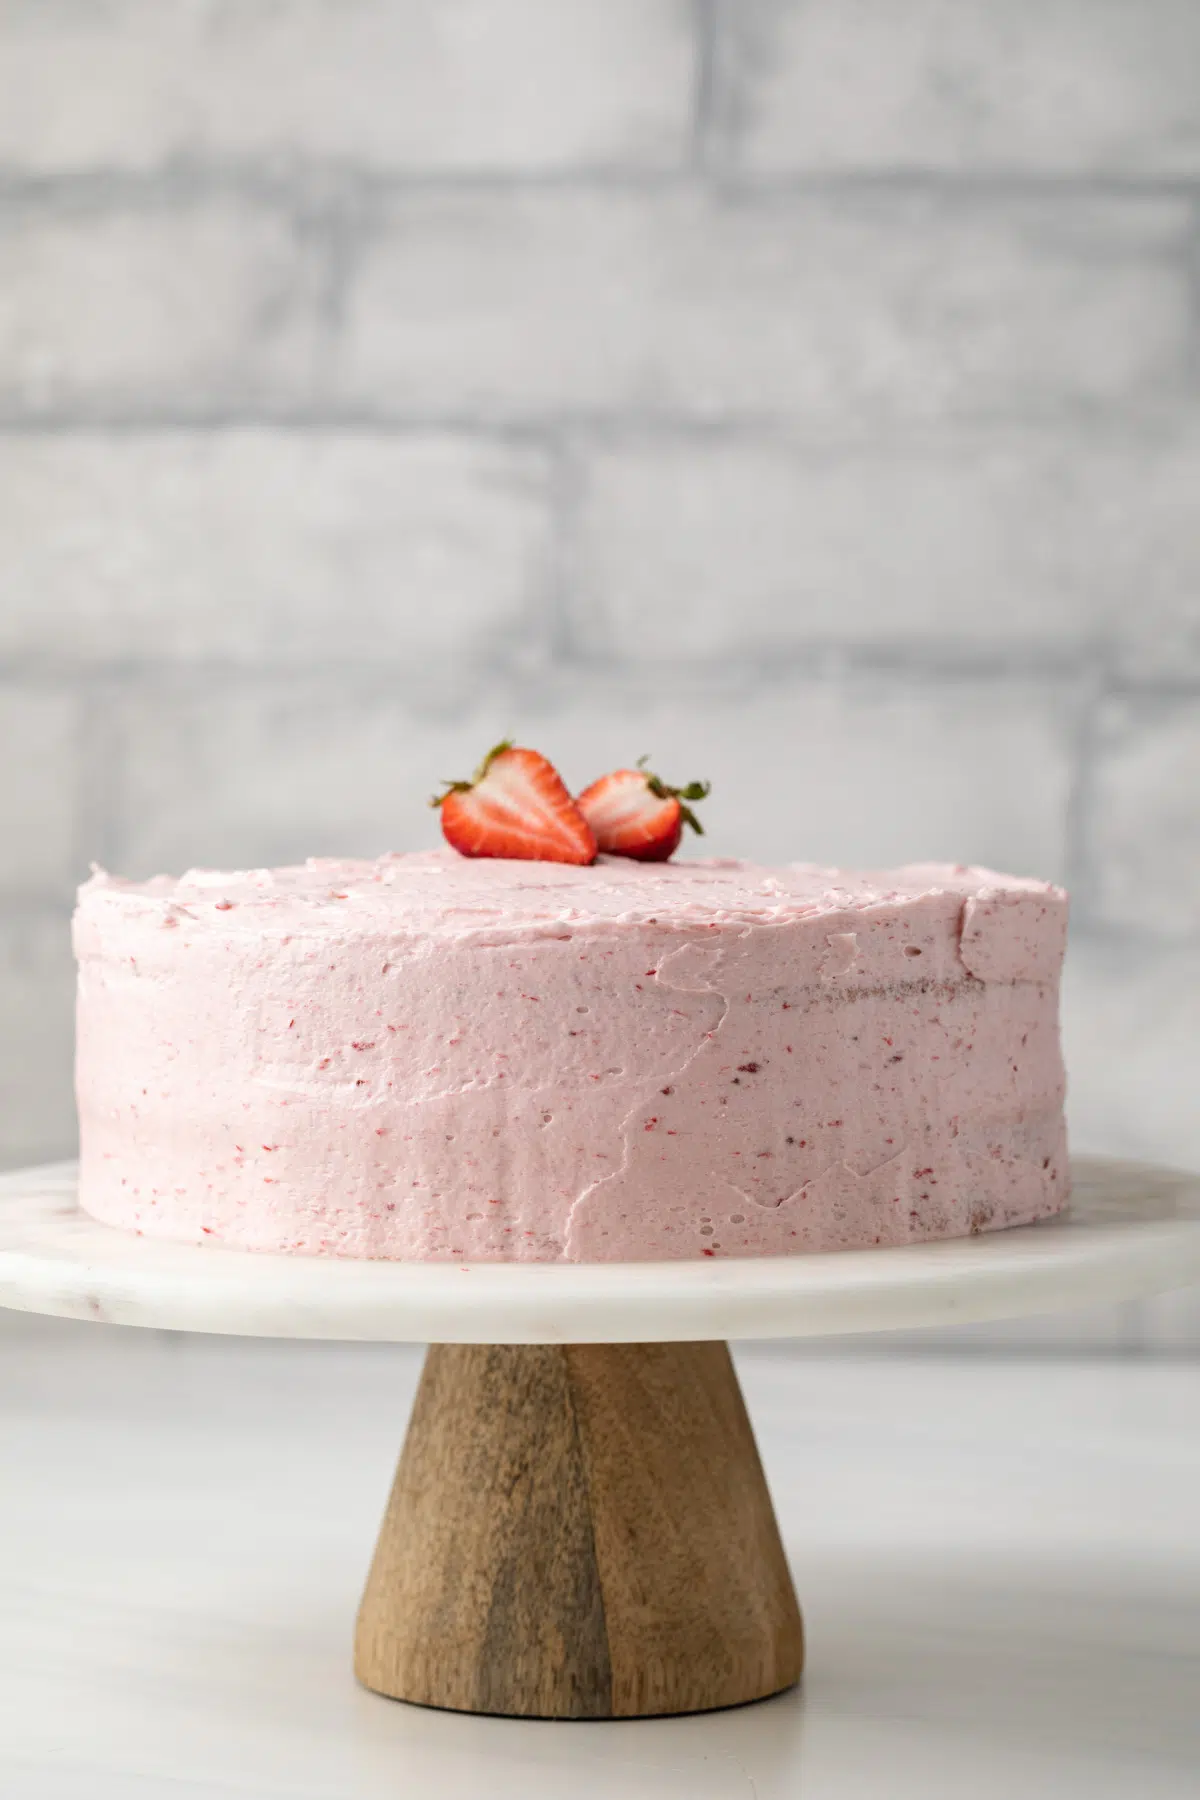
<point x="431" y="1057"/>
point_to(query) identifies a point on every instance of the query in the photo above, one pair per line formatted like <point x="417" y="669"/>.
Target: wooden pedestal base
<point x="579" y="1533"/>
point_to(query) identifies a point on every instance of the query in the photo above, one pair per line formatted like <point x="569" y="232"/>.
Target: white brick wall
<point x="803" y="391"/>
<point x="1016" y="538"/>
<point x="1040" y="86"/>
<point x="864" y="768"/>
<point x="267" y="546"/>
<point x="703" y="306"/>
<point x="40" y="744"/>
<point x="37" y="996"/>
<point x="1129" y="1030"/>
<point x="1146" y="817"/>
<point x="160" y="303"/>
<point x="381" y="84"/>
<point x="536" y="302"/>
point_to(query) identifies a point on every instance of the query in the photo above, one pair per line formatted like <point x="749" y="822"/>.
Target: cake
<point x="429" y="1057"/>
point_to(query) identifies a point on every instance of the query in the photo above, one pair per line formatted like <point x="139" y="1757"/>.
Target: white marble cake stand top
<point x="1132" y="1229"/>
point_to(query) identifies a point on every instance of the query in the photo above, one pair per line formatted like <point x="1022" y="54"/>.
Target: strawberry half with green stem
<point x="515" y="805"/>
<point x="634" y="813"/>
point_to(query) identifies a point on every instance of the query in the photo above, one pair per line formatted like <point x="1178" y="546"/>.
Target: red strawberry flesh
<point x="634" y="814"/>
<point x="517" y="806"/>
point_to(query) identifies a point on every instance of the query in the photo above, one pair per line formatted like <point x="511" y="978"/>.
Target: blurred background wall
<point x="805" y="393"/>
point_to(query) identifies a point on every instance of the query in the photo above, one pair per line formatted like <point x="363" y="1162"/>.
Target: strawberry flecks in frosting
<point x="432" y="1057"/>
<point x="1013" y="935"/>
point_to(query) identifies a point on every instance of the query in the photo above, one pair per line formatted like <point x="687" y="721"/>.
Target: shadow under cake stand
<point x="579" y="1525"/>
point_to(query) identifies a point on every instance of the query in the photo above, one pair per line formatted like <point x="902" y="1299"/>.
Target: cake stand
<point x="579" y="1525"/>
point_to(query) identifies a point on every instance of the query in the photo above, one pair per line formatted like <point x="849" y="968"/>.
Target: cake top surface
<point x="440" y="893"/>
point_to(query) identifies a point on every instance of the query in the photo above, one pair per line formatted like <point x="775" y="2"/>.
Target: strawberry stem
<point x="695" y="790"/>
<point x="464" y="787"/>
<point x="495" y="751"/>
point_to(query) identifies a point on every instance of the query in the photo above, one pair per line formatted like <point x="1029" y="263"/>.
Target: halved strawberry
<point x="634" y="813"/>
<point x="516" y="805"/>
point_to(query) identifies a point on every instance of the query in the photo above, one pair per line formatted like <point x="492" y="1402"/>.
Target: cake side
<point x="425" y="1058"/>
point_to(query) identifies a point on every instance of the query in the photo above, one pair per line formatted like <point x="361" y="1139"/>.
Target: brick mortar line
<point x="99" y="422"/>
<point x="826" y="663"/>
<point x="708" y="85"/>
<point x="926" y="181"/>
<point x="301" y="182"/>
<point x="555" y="432"/>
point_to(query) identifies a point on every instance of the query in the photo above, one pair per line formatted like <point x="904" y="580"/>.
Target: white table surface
<point x="999" y="1562"/>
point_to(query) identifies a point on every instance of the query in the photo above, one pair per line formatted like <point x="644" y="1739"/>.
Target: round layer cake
<point x="430" y="1057"/>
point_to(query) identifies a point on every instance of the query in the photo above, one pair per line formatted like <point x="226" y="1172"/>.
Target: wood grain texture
<point x="579" y="1532"/>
